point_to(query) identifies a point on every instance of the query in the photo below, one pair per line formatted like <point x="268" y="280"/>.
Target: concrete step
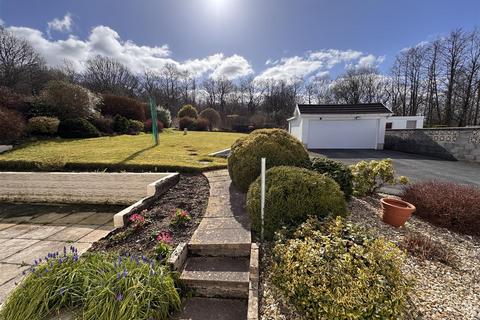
<point x="213" y="309"/>
<point x="223" y="277"/>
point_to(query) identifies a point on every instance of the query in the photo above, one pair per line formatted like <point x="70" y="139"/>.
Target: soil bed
<point x="190" y="193"/>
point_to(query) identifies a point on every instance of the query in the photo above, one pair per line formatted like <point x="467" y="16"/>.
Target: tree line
<point x="439" y="79"/>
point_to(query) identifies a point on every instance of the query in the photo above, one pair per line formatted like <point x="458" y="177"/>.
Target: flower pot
<point x="396" y="212"/>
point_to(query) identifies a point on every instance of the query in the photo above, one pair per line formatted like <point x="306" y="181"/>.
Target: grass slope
<point x="176" y="152"/>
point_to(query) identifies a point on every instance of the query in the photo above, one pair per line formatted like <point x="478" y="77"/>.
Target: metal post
<point x="262" y="195"/>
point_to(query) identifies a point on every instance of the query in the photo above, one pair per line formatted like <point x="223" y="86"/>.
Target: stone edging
<point x="154" y="190"/>
<point x="178" y="257"/>
<point x="252" y="313"/>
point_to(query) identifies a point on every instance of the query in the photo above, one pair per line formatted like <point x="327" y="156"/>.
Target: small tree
<point x="164" y="116"/>
<point x="212" y="116"/>
<point x="188" y="111"/>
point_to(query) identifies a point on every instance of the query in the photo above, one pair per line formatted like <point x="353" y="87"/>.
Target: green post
<point x="153" y="112"/>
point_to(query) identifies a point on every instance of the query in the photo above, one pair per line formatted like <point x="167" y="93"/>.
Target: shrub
<point x="239" y="123"/>
<point x="11" y="100"/>
<point x="164" y="116"/>
<point x="188" y="111"/>
<point x="121" y="124"/>
<point x="291" y="196"/>
<point x="135" y="127"/>
<point x="278" y="146"/>
<point x="43" y="125"/>
<point x="12" y="125"/>
<point x="202" y="124"/>
<point x="100" y="286"/>
<point x="368" y="177"/>
<point x="148" y="125"/>
<point x="445" y="204"/>
<point x="427" y="248"/>
<point x="338" y="271"/>
<point x="126" y="107"/>
<point x="186" y="122"/>
<point x="77" y="128"/>
<point x="66" y="101"/>
<point x="337" y="171"/>
<point x="212" y="116"/>
<point x="258" y="121"/>
<point x="104" y="124"/>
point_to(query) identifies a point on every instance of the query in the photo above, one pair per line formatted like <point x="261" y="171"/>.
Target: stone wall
<point x="445" y="143"/>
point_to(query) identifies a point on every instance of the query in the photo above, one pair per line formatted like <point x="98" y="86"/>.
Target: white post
<point x="262" y="196"/>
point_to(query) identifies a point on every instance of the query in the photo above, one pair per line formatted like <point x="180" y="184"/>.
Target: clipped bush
<point x="104" y="124"/>
<point x="337" y="171"/>
<point x="12" y="125"/>
<point x="291" y="196"/>
<point x="148" y="125"/>
<point x="77" y="128"/>
<point x="186" y="122"/>
<point x="124" y="106"/>
<point x="368" y="177"/>
<point x="121" y="124"/>
<point x="212" y="116"/>
<point x="43" y="125"/>
<point x="188" y="111"/>
<point x="164" y="116"/>
<point x="278" y="146"/>
<point x="135" y="127"/>
<point x="202" y="124"/>
<point x="99" y="286"/>
<point x="445" y="204"/>
<point x="338" y="271"/>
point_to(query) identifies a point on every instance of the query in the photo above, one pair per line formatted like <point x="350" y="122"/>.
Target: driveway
<point x="416" y="167"/>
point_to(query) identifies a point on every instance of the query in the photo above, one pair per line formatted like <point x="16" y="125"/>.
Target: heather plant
<point x="368" y="177"/>
<point x="180" y="217"/>
<point x="428" y="248"/>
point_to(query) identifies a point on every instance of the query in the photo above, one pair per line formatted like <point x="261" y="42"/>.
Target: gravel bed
<point x="439" y="292"/>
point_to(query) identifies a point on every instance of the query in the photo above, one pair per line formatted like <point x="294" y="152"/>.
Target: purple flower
<point x="118" y="275"/>
<point x="36" y="262"/>
<point x="119" y="297"/>
<point x="125" y="273"/>
<point x="62" y="291"/>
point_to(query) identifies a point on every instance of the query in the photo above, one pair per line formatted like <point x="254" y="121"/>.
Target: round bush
<point x="43" y="125"/>
<point x="77" y="128"/>
<point x="124" y="106"/>
<point x="186" y="122"/>
<point x="202" y="124"/>
<point x="103" y="124"/>
<point x="135" y="127"/>
<point x="188" y="111"/>
<point x="276" y="145"/>
<point x="148" y="125"/>
<point x="12" y="125"/>
<point x="337" y="171"/>
<point x="338" y="271"/>
<point x="121" y="124"/>
<point x="291" y="196"/>
<point x="164" y="116"/>
<point x="212" y="116"/>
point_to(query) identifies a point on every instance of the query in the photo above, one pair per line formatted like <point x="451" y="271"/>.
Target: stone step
<point x="213" y="309"/>
<point x="223" y="277"/>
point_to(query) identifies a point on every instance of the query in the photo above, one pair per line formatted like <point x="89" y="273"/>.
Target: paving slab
<point x="17" y="230"/>
<point x="10" y="271"/>
<point x="42" y="232"/>
<point x="35" y="251"/>
<point x="214" y="309"/>
<point x="99" y="218"/>
<point x="74" y="218"/>
<point x="95" y="235"/>
<point x="72" y="233"/>
<point x="13" y="246"/>
<point x="7" y="287"/>
<point x="17" y="219"/>
<point x="48" y="217"/>
<point x="6" y="225"/>
<point x="225" y="223"/>
<point x="217" y="270"/>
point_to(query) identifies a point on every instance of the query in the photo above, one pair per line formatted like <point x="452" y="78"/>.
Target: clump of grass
<point x="101" y="286"/>
<point x="426" y="248"/>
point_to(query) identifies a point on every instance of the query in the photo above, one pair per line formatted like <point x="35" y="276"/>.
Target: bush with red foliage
<point x="126" y="107"/>
<point x="12" y="100"/>
<point x="186" y="122"/>
<point x="445" y="204"/>
<point x="148" y="125"/>
<point x="12" y="125"/>
<point x="202" y="124"/>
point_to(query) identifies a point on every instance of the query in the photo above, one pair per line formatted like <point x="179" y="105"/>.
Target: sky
<point x="277" y="39"/>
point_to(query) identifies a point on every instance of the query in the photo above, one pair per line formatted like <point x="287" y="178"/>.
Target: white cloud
<point x="60" y="25"/>
<point x="232" y="67"/>
<point x="369" y="61"/>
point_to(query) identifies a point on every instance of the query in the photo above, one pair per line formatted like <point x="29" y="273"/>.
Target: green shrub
<point x="124" y="106"/>
<point x="121" y="124"/>
<point x="104" y="124"/>
<point x="212" y="116"/>
<point x="43" y="125"/>
<point x="100" y="286"/>
<point x="186" y="122"/>
<point x="291" y="196"/>
<point x="338" y="271"/>
<point x="135" y="127"/>
<point x="188" y="111"/>
<point x="337" y="171"/>
<point x="276" y="145"/>
<point x="12" y="125"/>
<point x="164" y="116"/>
<point x="368" y="177"/>
<point x="77" y="128"/>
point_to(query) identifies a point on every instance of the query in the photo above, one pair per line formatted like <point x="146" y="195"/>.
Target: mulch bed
<point x="190" y="193"/>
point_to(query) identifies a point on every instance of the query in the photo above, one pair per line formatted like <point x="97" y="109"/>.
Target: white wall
<point x="295" y="128"/>
<point x="400" y="122"/>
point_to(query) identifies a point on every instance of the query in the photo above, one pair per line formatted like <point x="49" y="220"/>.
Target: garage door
<point x="344" y="134"/>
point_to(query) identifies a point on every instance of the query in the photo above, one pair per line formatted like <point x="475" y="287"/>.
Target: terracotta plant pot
<point x="396" y="212"/>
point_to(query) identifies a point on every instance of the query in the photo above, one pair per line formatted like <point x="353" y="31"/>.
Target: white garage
<point x="359" y="126"/>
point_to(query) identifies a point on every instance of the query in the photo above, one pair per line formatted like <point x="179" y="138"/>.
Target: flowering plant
<point x="137" y="219"/>
<point x="165" y="237"/>
<point x="164" y="245"/>
<point x="181" y="217"/>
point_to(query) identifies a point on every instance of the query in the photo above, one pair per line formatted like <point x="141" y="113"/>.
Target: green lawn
<point x="176" y="152"/>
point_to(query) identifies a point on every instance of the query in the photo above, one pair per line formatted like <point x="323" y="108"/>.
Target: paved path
<point x="29" y="232"/>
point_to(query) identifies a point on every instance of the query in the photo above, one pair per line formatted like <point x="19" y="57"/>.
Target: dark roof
<point x="343" y="108"/>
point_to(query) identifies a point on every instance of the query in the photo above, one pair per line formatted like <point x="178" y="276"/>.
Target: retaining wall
<point x="445" y="143"/>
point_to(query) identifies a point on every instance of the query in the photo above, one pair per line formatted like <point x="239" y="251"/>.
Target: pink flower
<point x="165" y="237"/>
<point x="137" y="218"/>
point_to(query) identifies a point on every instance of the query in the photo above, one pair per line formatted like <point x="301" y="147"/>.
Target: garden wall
<point x="445" y="143"/>
<point x="63" y="187"/>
